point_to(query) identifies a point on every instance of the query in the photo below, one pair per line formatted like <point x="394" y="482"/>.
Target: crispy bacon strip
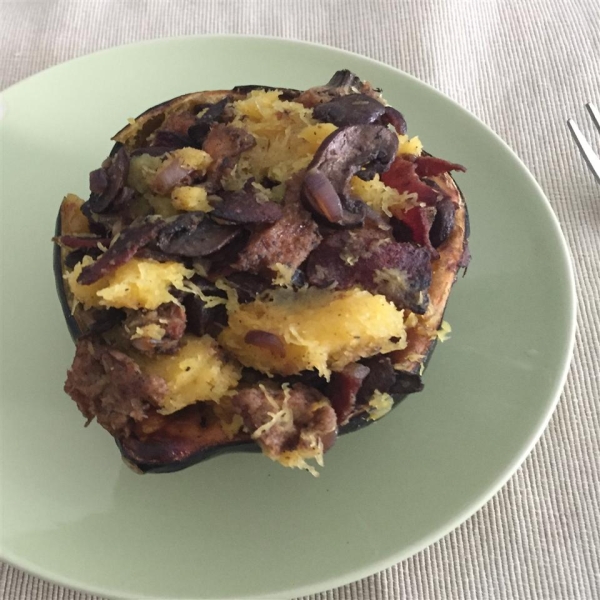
<point x="123" y="250"/>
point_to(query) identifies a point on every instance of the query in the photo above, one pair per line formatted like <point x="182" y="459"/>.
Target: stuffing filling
<point x="265" y="255"/>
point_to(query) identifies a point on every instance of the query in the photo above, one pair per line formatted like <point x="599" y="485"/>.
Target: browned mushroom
<point x="214" y="113"/>
<point x="365" y="149"/>
<point x="354" y="109"/>
<point x="108" y="184"/>
<point x="244" y="207"/>
<point x="443" y="222"/>
<point x="192" y="235"/>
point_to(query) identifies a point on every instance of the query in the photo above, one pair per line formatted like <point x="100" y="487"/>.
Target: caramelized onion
<point x="322" y="196"/>
<point x="268" y="341"/>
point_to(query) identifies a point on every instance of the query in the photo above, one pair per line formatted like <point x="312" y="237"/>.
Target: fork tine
<point x="594" y="113"/>
<point x="591" y="158"/>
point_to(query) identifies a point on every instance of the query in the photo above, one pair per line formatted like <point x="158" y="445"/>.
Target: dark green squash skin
<point x="161" y="457"/>
<point x="57" y="266"/>
<point x="163" y="462"/>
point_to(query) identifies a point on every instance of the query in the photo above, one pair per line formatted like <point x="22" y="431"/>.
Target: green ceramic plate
<point x="240" y="526"/>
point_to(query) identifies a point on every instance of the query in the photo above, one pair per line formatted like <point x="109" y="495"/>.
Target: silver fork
<point x="591" y="158"/>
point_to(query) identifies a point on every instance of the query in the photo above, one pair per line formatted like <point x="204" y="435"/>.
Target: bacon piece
<point x="402" y="176"/>
<point x="80" y="241"/>
<point x="419" y="220"/>
<point x="127" y="244"/>
<point x="344" y="387"/>
<point x="431" y="166"/>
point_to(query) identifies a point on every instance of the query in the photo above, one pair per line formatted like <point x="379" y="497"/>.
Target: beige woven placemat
<point x="522" y="67"/>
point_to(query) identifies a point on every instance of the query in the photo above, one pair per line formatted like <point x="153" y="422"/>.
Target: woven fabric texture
<point x="521" y="67"/>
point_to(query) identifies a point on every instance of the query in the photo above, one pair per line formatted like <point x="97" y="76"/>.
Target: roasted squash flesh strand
<point x="257" y="266"/>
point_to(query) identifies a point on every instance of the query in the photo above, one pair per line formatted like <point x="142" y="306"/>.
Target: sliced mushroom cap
<point x="443" y="223"/>
<point x="353" y="109"/>
<point x="343" y="154"/>
<point x="108" y="184"/>
<point x="192" y="235"/>
<point x="244" y="207"/>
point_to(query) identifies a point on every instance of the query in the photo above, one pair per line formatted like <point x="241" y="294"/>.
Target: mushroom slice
<point x="192" y="235"/>
<point x="346" y="152"/>
<point x="354" y="109"/>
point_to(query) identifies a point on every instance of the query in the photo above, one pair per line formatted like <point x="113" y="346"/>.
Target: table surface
<point x="522" y="68"/>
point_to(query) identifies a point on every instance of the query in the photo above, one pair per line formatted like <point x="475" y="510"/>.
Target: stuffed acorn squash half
<point x="256" y="268"/>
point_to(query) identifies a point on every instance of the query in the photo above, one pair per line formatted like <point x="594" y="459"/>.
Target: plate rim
<point x="475" y="504"/>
